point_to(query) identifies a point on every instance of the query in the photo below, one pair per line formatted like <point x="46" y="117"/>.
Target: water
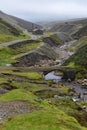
<point x="52" y="76"/>
<point x="78" y="87"/>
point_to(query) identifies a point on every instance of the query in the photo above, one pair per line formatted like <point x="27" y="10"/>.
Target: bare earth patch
<point x="8" y="109"/>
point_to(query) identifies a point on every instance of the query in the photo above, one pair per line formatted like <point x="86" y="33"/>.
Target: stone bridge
<point x="68" y="73"/>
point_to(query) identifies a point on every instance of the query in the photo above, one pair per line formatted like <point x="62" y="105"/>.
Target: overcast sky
<point x="45" y="10"/>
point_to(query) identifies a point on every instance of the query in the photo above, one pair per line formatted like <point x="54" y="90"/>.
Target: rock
<point x="85" y="93"/>
<point x="49" y="101"/>
<point x="69" y="80"/>
<point x="75" y="99"/>
<point x="55" y="96"/>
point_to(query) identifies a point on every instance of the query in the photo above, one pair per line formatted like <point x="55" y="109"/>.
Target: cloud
<point x="45" y="9"/>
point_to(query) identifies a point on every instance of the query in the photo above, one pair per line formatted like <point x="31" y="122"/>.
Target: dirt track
<point x="8" y="109"/>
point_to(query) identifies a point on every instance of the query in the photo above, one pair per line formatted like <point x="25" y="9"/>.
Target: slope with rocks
<point x="29" y="102"/>
<point x="9" y="32"/>
<point x="18" y="22"/>
<point x="68" y="26"/>
<point x="80" y="33"/>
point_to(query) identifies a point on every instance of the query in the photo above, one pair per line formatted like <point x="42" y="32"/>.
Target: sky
<point x="45" y="10"/>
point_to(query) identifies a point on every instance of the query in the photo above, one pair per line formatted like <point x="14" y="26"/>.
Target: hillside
<point x="80" y="33"/>
<point x="29" y="101"/>
<point x="9" y="32"/>
<point x="13" y="28"/>
<point x="68" y="26"/>
<point x="19" y="23"/>
<point x="79" y="58"/>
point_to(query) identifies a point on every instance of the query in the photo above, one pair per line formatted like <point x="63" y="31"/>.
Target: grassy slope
<point x="57" y="39"/>
<point x="48" y="118"/>
<point x="9" y="33"/>
<point x="79" y="44"/>
<point x="79" y="59"/>
<point x="81" y="32"/>
<point x="8" y="55"/>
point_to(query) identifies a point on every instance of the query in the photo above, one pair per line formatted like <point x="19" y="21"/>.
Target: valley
<point x="43" y="77"/>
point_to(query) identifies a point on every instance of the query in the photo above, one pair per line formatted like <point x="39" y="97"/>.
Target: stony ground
<point x="8" y="109"/>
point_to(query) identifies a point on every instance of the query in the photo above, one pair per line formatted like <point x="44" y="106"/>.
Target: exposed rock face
<point x="22" y="43"/>
<point x="39" y="56"/>
<point x="50" y="41"/>
<point x="31" y="59"/>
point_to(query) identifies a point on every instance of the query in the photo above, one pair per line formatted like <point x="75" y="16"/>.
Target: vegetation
<point x="9" y="33"/>
<point x="8" y="55"/>
<point x="79" y="58"/>
<point x="60" y="114"/>
<point x="27" y="47"/>
<point x="71" y="108"/>
<point x="57" y="111"/>
<point x="79" y="44"/>
<point x="57" y="39"/>
<point x="18" y="94"/>
<point x="48" y="118"/>
<point x="81" y="32"/>
<point x="2" y="80"/>
<point x="31" y="75"/>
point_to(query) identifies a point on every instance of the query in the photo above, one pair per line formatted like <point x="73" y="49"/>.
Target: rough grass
<point x="9" y="37"/>
<point x="48" y="117"/>
<point x="18" y="94"/>
<point x="10" y="33"/>
<point x="28" y="47"/>
<point x="31" y="75"/>
<point x="79" y="59"/>
<point x="51" y="119"/>
<point x="64" y="90"/>
<point x="71" y="108"/>
<point x="8" y="55"/>
<point x="79" y="44"/>
<point x="57" y="39"/>
<point x="2" y="80"/>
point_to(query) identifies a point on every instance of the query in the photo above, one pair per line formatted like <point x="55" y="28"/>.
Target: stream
<point x="51" y="75"/>
<point x="78" y="87"/>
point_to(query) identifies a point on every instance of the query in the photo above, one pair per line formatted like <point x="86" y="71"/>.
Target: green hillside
<point x="79" y="59"/>
<point x="8" y="32"/>
<point x="46" y="117"/>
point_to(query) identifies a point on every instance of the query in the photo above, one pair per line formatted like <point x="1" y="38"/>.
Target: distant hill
<point x="8" y="32"/>
<point x="68" y="26"/>
<point x="12" y="28"/>
<point x="17" y="22"/>
<point x="81" y="32"/>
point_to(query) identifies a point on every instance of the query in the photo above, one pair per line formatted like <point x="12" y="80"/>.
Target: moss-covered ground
<point x="54" y="113"/>
<point x="8" y="55"/>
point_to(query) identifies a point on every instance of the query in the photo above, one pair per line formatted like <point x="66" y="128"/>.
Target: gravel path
<point x="8" y="109"/>
<point x="12" y="42"/>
